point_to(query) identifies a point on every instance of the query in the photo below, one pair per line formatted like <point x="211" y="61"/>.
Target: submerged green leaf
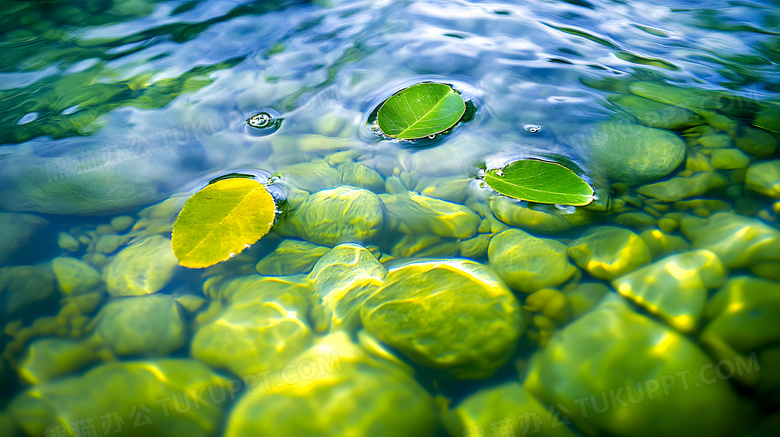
<point x="421" y="110"/>
<point x="221" y="220"/>
<point x="538" y="181"/>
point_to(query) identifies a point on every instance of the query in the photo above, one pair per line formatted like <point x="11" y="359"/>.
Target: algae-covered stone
<point x="311" y="176"/>
<point x="424" y="245"/>
<point x="358" y="175"/>
<point x="290" y="257"/>
<point x="738" y="241"/>
<point x="584" y="297"/>
<point x="608" y="251"/>
<point x="109" y="243"/>
<point x="506" y="408"/>
<point x="22" y="286"/>
<point x="415" y="213"/>
<point x="143" y="268"/>
<point x="536" y="218"/>
<point x="550" y="302"/>
<point x="742" y="320"/>
<point x="344" y="278"/>
<point x="453" y="189"/>
<point x="16" y="232"/>
<point x="122" y="223"/>
<point x="764" y="178"/>
<point x="527" y="263"/>
<point x="67" y="242"/>
<point x="662" y="244"/>
<point x="683" y="187"/>
<point x="756" y="141"/>
<point x="143" y="398"/>
<point x="263" y="326"/>
<point x="49" y="358"/>
<point x="675" y="288"/>
<point x="697" y="100"/>
<point x="616" y="372"/>
<point x="634" y="154"/>
<point x="341" y="215"/>
<point x="74" y="276"/>
<point x="476" y="247"/>
<point x="335" y="389"/>
<point x="654" y="114"/>
<point x="427" y="309"/>
<point x="729" y="159"/>
<point x="142" y="325"/>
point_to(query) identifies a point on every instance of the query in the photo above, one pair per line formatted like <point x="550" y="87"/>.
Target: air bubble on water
<point x="247" y="246"/>
<point x="260" y="120"/>
<point x="432" y="136"/>
<point x="232" y="254"/>
<point x="567" y="209"/>
<point x="532" y="128"/>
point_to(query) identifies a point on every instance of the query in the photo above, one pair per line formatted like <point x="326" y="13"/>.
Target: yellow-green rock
<point x="616" y="372"/>
<point x="756" y="141"/>
<point x="427" y="310"/>
<point x="536" y="218"/>
<point x="742" y="322"/>
<point x="413" y="213"/>
<point x="679" y="188"/>
<point x="452" y="189"/>
<point x="527" y="263"/>
<point x="310" y="176"/>
<point x="738" y="241"/>
<point x="550" y="303"/>
<point x="68" y="242"/>
<point x="637" y="220"/>
<point x="109" y="243"/>
<point x="675" y="288"/>
<point x="662" y="244"/>
<point x="508" y="410"/>
<point x="476" y="247"/>
<point x="632" y="153"/>
<point x="74" y="276"/>
<point x="140" y="397"/>
<point x="358" y="175"/>
<point x="729" y="159"/>
<point x="49" y="358"/>
<point x="424" y="245"/>
<point x="335" y="389"/>
<point x="122" y="223"/>
<point x="145" y="267"/>
<point x="263" y="326"/>
<point x="340" y="215"/>
<point x="584" y="297"/>
<point x="290" y="257"/>
<point x="142" y="325"/>
<point x="343" y="279"/>
<point x="764" y="178"/>
<point x="608" y="251"/>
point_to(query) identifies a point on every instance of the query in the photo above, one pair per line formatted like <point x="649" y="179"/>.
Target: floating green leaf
<point x="221" y="220"/>
<point x="421" y="110"/>
<point x="541" y="182"/>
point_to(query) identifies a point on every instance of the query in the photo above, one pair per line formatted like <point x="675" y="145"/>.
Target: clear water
<point x="126" y="108"/>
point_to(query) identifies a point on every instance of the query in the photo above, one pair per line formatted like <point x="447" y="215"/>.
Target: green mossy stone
<point x="527" y="263"/>
<point x="413" y="213"/>
<point x="343" y="279"/>
<point x="358" y="175"/>
<point x="507" y="406"/>
<point x="764" y="178"/>
<point x="109" y="243"/>
<point x="450" y="189"/>
<point x="653" y="114"/>
<point x="757" y="142"/>
<point x="67" y="242"/>
<point x="122" y="223"/>
<point x="634" y="154"/>
<point x="145" y="267"/>
<point x="742" y="320"/>
<point x="738" y="241"/>
<point x="614" y="353"/>
<point x="729" y="159"/>
<point x="122" y="388"/>
<point x="311" y="176"/>
<point x="475" y="248"/>
<point x="23" y="286"/>
<point x="143" y="325"/>
<point x="336" y="389"/>
<point x="263" y="326"/>
<point x="607" y="252"/>
<point x="16" y="232"/>
<point x="48" y="358"/>
<point x="424" y="245"/>
<point x="694" y="99"/>
<point x="662" y="244"/>
<point x="535" y="218"/>
<point x="74" y="276"/>
<point x="584" y="297"/>
<point x="675" y="288"/>
<point x="290" y="258"/>
<point x="679" y="188"/>
<point x="768" y="119"/>
<point x="427" y="310"/>
<point x="340" y="215"/>
<point x="714" y="141"/>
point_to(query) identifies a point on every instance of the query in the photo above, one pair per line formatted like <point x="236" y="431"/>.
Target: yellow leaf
<point x="221" y="220"/>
